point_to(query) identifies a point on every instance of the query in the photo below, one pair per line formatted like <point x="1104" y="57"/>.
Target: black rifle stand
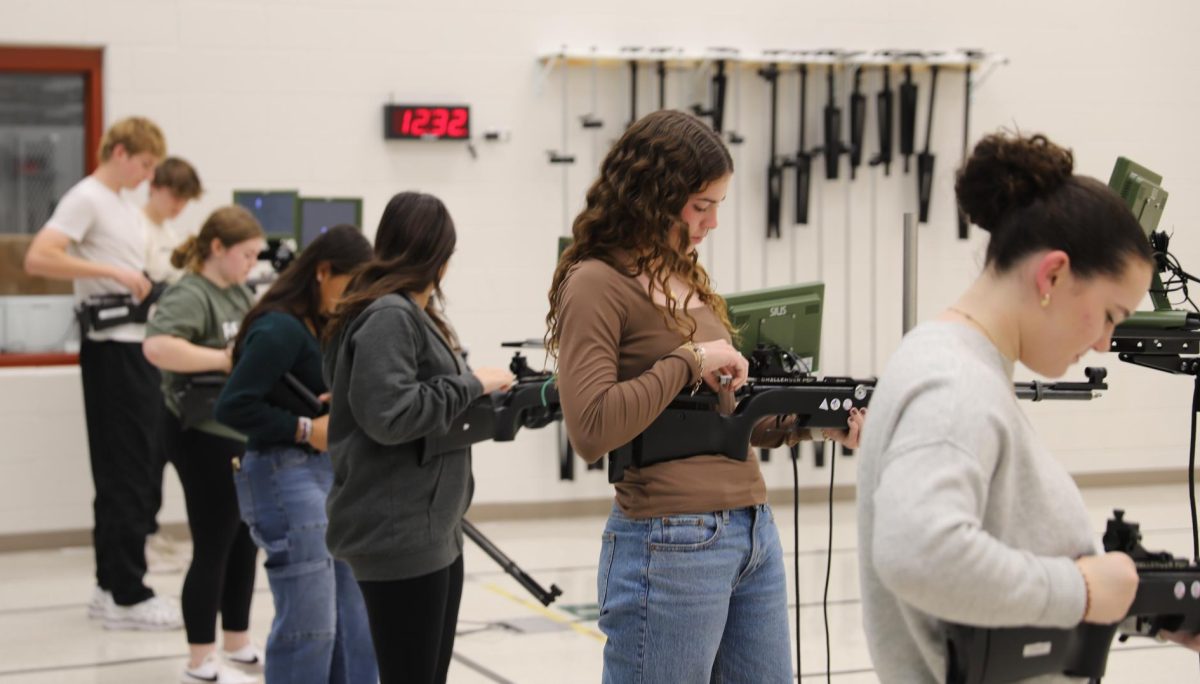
<point x="1177" y="365"/>
<point x="510" y="566"/>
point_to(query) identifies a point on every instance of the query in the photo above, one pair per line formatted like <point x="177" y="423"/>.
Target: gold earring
<point x="1046" y="300"/>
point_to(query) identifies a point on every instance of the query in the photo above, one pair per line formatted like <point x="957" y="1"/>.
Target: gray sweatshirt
<point x="963" y="515"/>
<point x="396" y="506"/>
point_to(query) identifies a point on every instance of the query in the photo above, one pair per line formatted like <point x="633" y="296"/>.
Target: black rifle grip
<point x="924" y="184"/>
<point x="908" y="120"/>
<point x="803" y="187"/>
<point x="774" y="198"/>
<point x="833" y="143"/>
<point x="858" y="121"/>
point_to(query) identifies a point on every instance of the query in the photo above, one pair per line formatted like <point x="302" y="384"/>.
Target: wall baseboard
<point x="550" y="510"/>
<point x="57" y="539"/>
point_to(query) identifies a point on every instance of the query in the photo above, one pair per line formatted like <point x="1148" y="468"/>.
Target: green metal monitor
<point x="788" y="317"/>
<point x="276" y="210"/>
<point x="1142" y="190"/>
<point x="319" y="214"/>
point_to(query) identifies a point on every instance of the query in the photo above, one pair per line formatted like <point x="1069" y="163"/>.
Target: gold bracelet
<point x="699" y="354"/>
<point x="1087" y="595"/>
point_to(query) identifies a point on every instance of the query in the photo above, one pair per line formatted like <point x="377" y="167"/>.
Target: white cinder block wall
<point x="288" y="94"/>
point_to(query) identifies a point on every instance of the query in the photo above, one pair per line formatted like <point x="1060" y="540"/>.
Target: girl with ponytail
<point x="192" y="331"/>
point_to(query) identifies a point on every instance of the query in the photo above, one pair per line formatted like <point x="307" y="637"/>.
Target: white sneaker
<point x="247" y="658"/>
<point x="211" y="670"/>
<point x="153" y="614"/>
<point x="165" y="555"/>
<point x="101" y="604"/>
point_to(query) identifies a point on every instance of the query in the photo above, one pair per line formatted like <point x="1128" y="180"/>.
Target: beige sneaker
<point x="165" y="556"/>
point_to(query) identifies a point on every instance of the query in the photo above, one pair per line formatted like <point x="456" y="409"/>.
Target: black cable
<point x="828" y="570"/>
<point x="796" y="547"/>
<point x="1192" y="473"/>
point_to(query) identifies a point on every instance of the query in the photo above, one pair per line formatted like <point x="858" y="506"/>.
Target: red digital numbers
<point x="432" y="122"/>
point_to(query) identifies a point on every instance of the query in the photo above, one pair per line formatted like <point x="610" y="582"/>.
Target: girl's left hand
<point x="848" y="438"/>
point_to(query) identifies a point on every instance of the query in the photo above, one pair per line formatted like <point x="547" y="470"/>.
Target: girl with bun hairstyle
<point x="964" y="515"/>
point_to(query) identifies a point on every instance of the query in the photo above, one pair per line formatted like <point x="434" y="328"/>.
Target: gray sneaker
<point x="153" y="614"/>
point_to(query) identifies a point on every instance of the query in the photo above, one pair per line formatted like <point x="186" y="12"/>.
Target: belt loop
<point x="725" y="516"/>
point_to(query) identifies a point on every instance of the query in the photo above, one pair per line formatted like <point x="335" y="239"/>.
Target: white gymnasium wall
<point x="287" y="94"/>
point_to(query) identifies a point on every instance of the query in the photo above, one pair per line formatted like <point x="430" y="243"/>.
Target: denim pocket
<point x="245" y="499"/>
<point x="608" y="547"/>
<point x="289" y="458"/>
<point x="685" y="532"/>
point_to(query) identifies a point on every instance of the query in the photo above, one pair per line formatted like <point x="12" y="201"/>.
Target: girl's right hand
<point x="722" y="358"/>
<point x="1112" y="582"/>
<point x="495" y="379"/>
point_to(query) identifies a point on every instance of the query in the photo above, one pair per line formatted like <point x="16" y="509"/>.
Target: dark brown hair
<point x="297" y="292"/>
<point x="179" y="177"/>
<point x="633" y="212"/>
<point x="230" y="225"/>
<point x="1024" y="192"/>
<point x="413" y="243"/>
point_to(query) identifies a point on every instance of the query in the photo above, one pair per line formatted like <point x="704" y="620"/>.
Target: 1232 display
<point x="426" y="122"/>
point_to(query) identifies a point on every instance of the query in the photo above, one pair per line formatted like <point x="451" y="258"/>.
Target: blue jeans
<point x="320" y="632"/>
<point x="694" y="598"/>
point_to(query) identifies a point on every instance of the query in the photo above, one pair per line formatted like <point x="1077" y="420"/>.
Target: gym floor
<point x="507" y="636"/>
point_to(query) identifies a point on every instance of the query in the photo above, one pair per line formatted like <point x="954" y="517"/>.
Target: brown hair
<point x="1024" y="192"/>
<point x="297" y="291"/>
<point x="136" y="135"/>
<point x="414" y="241"/>
<point x="633" y="210"/>
<point x="230" y="225"/>
<point x="179" y="177"/>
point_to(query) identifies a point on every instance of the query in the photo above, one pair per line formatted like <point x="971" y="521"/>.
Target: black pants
<point x="413" y="623"/>
<point x="221" y="576"/>
<point x="123" y="407"/>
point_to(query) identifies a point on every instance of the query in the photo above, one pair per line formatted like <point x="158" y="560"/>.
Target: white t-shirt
<point x="104" y="228"/>
<point x="161" y="241"/>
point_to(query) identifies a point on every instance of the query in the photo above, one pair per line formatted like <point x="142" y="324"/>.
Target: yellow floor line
<point x="545" y="612"/>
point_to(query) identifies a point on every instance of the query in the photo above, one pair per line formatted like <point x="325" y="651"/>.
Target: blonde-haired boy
<point x="95" y="238"/>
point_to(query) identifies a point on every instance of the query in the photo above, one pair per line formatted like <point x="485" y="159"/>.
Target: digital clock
<point x="427" y="122"/>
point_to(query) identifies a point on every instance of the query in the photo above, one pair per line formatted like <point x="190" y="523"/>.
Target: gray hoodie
<point x="396" y="506"/>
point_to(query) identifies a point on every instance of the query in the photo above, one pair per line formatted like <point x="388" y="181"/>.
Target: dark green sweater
<point x="276" y="343"/>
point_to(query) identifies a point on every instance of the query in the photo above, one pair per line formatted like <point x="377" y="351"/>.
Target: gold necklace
<point x="982" y="328"/>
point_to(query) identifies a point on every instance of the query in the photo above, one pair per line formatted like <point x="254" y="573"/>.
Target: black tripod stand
<point x="510" y="566"/>
<point x="1164" y="350"/>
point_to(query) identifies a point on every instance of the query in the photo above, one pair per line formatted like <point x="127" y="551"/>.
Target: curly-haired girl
<point x="691" y="581"/>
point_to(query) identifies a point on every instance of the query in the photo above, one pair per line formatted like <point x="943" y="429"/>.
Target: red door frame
<point x="53" y="60"/>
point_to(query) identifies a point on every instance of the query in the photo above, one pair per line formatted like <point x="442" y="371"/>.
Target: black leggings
<point x="412" y="624"/>
<point x="221" y="576"/>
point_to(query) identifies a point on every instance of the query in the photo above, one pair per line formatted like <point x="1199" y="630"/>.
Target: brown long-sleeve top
<point x="619" y="365"/>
